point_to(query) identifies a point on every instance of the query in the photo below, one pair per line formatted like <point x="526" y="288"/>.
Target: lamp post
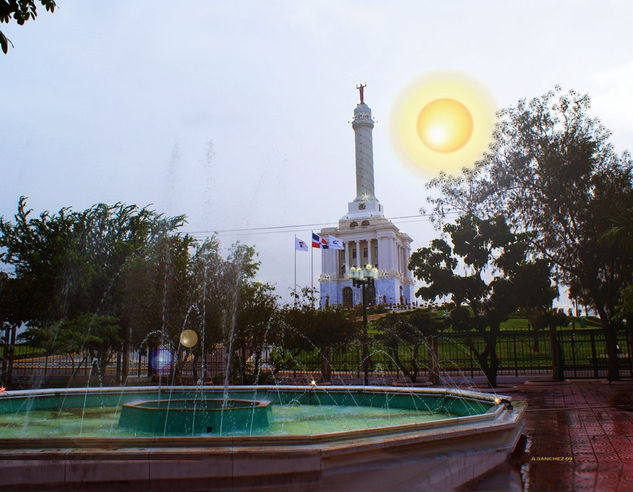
<point x="363" y="277"/>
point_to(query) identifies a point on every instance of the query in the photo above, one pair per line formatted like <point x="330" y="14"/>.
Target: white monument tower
<point x="368" y="237"/>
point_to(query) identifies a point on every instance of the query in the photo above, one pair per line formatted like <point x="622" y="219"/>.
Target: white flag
<point x="335" y="243"/>
<point x="300" y="245"/>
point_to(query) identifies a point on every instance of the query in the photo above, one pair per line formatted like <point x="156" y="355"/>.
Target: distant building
<point x="368" y="237"/>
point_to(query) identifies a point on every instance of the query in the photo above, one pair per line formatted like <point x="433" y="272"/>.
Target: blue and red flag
<point x="319" y="242"/>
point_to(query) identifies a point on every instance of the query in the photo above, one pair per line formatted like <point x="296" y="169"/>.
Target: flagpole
<point x="311" y="262"/>
<point x="295" y="286"/>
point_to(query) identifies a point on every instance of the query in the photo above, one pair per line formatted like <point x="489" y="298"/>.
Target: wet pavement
<point x="580" y="437"/>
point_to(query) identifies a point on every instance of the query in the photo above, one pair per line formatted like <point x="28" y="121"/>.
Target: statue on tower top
<point x="361" y="89"/>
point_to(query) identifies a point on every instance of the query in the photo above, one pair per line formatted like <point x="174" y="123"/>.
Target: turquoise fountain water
<point x="183" y="412"/>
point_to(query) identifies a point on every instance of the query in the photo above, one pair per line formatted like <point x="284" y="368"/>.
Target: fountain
<point x="193" y="416"/>
<point x="250" y="437"/>
<point x="343" y="437"/>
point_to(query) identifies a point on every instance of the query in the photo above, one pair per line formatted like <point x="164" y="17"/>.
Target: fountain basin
<point x="474" y="434"/>
<point x="191" y="416"/>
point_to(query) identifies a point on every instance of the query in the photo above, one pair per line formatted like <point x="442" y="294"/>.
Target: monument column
<point x="363" y="125"/>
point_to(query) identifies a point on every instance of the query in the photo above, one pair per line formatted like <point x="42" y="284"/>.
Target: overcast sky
<point x="237" y="113"/>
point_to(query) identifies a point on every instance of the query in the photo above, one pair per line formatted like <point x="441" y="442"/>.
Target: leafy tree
<point x="12" y="307"/>
<point x="69" y="263"/>
<point x="497" y="275"/>
<point x="40" y="252"/>
<point x="100" y="335"/>
<point x="239" y="268"/>
<point x="311" y="329"/>
<point x="72" y="263"/>
<point x="620" y="233"/>
<point x="257" y="329"/>
<point x="554" y="175"/>
<point x="537" y="300"/>
<point x="415" y="329"/>
<point x="130" y="264"/>
<point x="21" y="11"/>
<point x="157" y="292"/>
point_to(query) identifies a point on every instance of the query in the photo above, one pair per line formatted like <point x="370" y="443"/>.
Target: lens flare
<point x="442" y="122"/>
<point x="162" y="359"/>
<point x="188" y="338"/>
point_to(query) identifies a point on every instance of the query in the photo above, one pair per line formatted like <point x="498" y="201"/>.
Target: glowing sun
<point x="445" y="125"/>
<point x="443" y="122"/>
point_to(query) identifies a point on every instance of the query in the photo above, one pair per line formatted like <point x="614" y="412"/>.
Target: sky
<point x="237" y="114"/>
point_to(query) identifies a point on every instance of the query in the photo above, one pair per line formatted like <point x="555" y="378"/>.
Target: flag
<point x="318" y="241"/>
<point x="300" y="245"/>
<point x="335" y="243"/>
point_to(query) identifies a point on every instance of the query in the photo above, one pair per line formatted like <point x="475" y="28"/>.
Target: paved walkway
<point x="580" y="437"/>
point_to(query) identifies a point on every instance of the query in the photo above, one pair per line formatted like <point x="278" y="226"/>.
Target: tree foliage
<point x="69" y="262"/>
<point x="131" y="265"/>
<point x="308" y="328"/>
<point x="498" y="277"/>
<point x="100" y="335"/>
<point x="554" y="175"/>
<point x="21" y="11"/>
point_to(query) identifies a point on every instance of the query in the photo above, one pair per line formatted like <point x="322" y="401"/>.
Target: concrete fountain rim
<point x="249" y="404"/>
<point x="497" y="417"/>
<point x="476" y="395"/>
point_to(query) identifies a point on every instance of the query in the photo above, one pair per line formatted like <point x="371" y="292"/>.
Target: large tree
<point x="69" y="264"/>
<point x="485" y="272"/>
<point x="552" y="172"/>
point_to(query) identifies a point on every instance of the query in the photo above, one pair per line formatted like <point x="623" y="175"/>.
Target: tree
<point x="258" y="328"/>
<point x="414" y="329"/>
<point x="495" y="263"/>
<point x="157" y="292"/>
<point x="101" y="336"/>
<point x="311" y="329"/>
<point x="21" y="11"/>
<point x="70" y="264"/>
<point x="12" y="309"/>
<point x="553" y="174"/>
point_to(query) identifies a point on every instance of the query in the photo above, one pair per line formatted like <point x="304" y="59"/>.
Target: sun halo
<point x="442" y="122"/>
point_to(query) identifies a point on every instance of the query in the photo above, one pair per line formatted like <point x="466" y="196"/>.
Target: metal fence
<point x="520" y="353"/>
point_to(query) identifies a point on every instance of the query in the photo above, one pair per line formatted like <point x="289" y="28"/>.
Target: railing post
<point x="572" y="339"/>
<point x="514" y="344"/>
<point x="628" y="352"/>
<point x="472" y="368"/>
<point x="593" y="355"/>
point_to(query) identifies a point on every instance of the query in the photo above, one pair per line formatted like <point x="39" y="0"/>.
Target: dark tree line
<point x="116" y="278"/>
